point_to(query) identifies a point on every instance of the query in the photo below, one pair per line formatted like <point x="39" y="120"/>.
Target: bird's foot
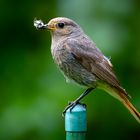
<point x="71" y="105"/>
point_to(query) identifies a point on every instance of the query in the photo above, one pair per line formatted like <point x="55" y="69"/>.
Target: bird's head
<point x="62" y="26"/>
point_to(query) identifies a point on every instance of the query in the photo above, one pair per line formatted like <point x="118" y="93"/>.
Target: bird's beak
<point x="50" y="27"/>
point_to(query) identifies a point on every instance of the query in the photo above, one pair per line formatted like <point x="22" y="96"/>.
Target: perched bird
<point x="82" y="62"/>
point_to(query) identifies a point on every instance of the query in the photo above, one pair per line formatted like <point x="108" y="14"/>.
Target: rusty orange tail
<point x="121" y="95"/>
<point x="129" y="106"/>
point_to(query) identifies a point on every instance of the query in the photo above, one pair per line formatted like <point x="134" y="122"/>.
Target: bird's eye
<point x="61" y="25"/>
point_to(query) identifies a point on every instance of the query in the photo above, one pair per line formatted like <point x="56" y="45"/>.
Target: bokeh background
<point x="33" y="92"/>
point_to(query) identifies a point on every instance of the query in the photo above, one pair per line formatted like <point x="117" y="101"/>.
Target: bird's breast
<point x="70" y="67"/>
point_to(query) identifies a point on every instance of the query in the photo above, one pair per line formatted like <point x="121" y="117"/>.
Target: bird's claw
<point x="70" y="106"/>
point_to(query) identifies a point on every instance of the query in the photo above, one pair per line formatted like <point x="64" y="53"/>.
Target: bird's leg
<point x="75" y="102"/>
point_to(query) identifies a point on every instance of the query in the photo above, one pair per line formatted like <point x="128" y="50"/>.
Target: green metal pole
<point x="76" y="123"/>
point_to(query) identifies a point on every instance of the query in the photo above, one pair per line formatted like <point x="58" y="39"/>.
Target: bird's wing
<point x="92" y="59"/>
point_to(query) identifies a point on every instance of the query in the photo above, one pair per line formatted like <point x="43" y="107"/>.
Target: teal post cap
<point x="76" y="119"/>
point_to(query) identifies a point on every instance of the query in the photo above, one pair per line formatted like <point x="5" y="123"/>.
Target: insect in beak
<point x="39" y="24"/>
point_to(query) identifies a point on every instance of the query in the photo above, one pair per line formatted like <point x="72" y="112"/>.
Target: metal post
<point x="76" y="123"/>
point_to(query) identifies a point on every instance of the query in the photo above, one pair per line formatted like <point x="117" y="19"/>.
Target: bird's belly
<point x="73" y="70"/>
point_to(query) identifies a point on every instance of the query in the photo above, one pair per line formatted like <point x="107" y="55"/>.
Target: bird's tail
<point x="121" y="95"/>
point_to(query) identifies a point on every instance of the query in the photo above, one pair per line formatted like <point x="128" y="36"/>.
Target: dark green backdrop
<point x="33" y="92"/>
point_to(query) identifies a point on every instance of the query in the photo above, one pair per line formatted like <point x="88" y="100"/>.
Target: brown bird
<point x="82" y="62"/>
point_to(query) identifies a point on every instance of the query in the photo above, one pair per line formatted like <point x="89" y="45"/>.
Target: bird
<point x="81" y="62"/>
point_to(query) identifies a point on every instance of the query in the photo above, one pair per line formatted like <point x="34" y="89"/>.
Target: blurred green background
<point x="33" y="92"/>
